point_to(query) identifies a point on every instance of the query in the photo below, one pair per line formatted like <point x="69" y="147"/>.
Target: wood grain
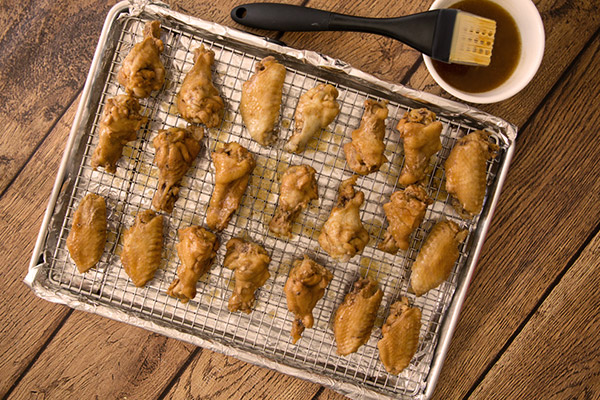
<point x="559" y="345"/>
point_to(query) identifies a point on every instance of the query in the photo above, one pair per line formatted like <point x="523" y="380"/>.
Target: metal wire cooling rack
<point x="266" y="330"/>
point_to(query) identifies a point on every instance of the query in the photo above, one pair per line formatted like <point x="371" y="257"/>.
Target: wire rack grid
<point x="266" y="330"/>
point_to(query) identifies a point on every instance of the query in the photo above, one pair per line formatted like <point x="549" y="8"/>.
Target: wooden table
<point x="529" y="327"/>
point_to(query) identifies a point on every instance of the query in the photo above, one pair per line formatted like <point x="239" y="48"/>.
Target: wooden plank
<point x="328" y="394"/>
<point x="555" y="356"/>
<point x="95" y="357"/>
<point x="569" y="26"/>
<point x="215" y="376"/>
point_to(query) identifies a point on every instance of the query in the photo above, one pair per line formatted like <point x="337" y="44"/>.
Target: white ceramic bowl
<point x="530" y="27"/>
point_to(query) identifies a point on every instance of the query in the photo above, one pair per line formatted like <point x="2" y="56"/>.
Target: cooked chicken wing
<point x="437" y="256"/>
<point x="176" y="149"/>
<point x="142" y="247"/>
<point x="198" y="100"/>
<point x="119" y="124"/>
<point x="404" y="213"/>
<point x="298" y="188"/>
<point x="88" y="232"/>
<point x="316" y="109"/>
<point x="466" y="172"/>
<point x="400" y="336"/>
<point x="233" y="165"/>
<point x="343" y="235"/>
<point x="421" y="134"/>
<point x="142" y="71"/>
<point x="197" y="249"/>
<point x="364" y="153"/>
<point x="249" y="261"/>
<point x="355" y="317"/>
<point x="303" y="289"/>
<point x="261" y="100"/>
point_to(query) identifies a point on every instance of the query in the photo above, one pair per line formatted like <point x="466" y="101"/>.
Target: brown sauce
<point x="505" y="53"/>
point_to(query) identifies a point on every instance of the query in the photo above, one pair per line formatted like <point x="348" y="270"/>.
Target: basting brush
<point x="447" y="35"/>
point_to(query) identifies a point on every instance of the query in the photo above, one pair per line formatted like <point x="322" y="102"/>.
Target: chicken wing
<point x="437" y="256"/>
<point x="316" y="109"/>
<point x="142" y="71"/>
<point x="400" y="336"/>
<point x="298" y="188"/>
<point x="364" y="153"/>
<point x="466" y="172"/>
<point x="355" y="317"/>
<point x="233" y="165"/>
<point x="343" y="235"/>
<point x="176" y="149"/>
<point x="249" y="262"/>
<point x="197" y="249"/>
<point x="119" y="124"/>
<point x="404" y="213"/>
<point x="198" y="100"/>
<point x="261" y="100"/>
<point x="88" y="233"/>
<point x="142" y="247"/>
<point x="421" y="134"/>
<point x="303" y="289"/>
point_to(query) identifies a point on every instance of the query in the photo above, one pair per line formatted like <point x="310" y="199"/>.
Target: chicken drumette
<point x="198" y="100"/>
<point x="142" y="71"/>
<point x="298" y="188"/>
<point x="176" y="149"/>
<point x="88" y="232"/>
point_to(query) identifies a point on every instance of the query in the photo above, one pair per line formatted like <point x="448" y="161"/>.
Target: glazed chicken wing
<point x="198" y="100"/>
<point x="421" y="134"/>
<point x="176" y="149"/>
<point x="142" y="247"/>
<point x="303" y="289"/>
<point x="249" y="262"/>
<point x="233" y="165"/>
<point x="466" y="172"/>
<point x="316" y="109"/>
<point x="88" y="233"/>
<point x="404" y="213"/>
<point x="119" y="124"/>
<point x="197" y="249"/>
<point x="343" y="235"/>
<point x="142" y="71"/>
<point x="364" y="153"/>
<point x="298" y="188"/>
<point x="400" y="336"/>
<point x="355" y="317"/>
<point x="261" y="100"/>
<point x="437" y="256"/>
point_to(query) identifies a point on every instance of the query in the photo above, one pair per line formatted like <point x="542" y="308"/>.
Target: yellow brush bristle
<point x="473" y="40"/>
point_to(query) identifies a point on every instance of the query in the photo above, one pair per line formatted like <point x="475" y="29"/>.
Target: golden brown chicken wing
<point x="316" y="109"/>
<point x="88" y="232"/>
<point x="355" y="317"/>
<point x="343" y="235"/>
<point x="142" y="71"/>
<point x="197" y="249"/>
<point x="142" y="247"/>
<point x="249" y="261"/>
<point x="261" y="100"/>
<point x="437" y="256"/>
<point x="364" y="153"/>
<point x="400" y="336"/>
<point x="298" y="188"/>
<point x="404" y="213"/>
<point x="421" y="134"/>
<point x="119" y="124"/>
<point x="198" y="100"/>
<point x="466" y="172"/>
<point x="176" y="149"/>
<point x="303" y="289"/>
<point x="233" y="165"/>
